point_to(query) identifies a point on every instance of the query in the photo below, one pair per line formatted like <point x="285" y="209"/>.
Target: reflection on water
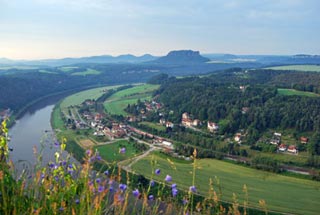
<point x="33" y="131"/>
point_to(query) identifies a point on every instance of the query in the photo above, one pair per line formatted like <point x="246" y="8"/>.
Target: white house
<point x="212" y="126"/>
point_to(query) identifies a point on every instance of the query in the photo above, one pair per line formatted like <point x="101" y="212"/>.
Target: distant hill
<point x="182" y="57"/>
<point x="92" y="59"/>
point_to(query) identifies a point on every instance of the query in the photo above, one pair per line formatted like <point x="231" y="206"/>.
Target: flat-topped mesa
<point x="182" y="57"/>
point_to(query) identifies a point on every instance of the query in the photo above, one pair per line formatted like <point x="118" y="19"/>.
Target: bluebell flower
<point x="157" y="171"/>
<point x="174" y="192"/>
<point x="122" y="187"/>
<point x="168" y="178"/>
<point x="136" y="193"/>
<point x="150" y="197"/>
<point x="193" y="189"/>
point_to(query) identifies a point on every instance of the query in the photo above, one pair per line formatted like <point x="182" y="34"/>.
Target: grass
<point x="281" y="193"/>
<point x="116" y="103"/>
<point x="87" y="72"/>
<point x="56" y="121"/>
<point x="292" y="92"/>
<point x="68" y="68"/>
<point x="306" y="68"/>
<point x="154" y="126"/>
<point x="78" y="98"/>
<point x="110" y="152"/>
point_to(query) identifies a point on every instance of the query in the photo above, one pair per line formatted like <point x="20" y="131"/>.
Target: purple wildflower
<point x="174" y="186"/>
<point x="168" y="178"/>
<point x="77" y="201"/>
<point x="98" y="180"/>
<point x="61" y="209"/>
<point x="56" y="143"/>
<point x="152" y="183"/>
<point x="174" y="192"/>
<point x="184" y="202"/>
<point x="111" y="189"/>
<point x="122" y="187"/>
<point x="193" y="189"/>
<point x="98" y="157"/>
<point x="56" y="178"/>
<point x="122" y="150"/>
<point x="101" y="189"/>
<point x="157" y="171"/>
<point x="88" y="152"/>
<point x="151" y="197"/>
<point x="42" y="176"/>
<point x="136" y="193"/>
<point x="106" y="172"/>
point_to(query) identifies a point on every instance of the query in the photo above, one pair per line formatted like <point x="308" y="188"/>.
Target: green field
<point x="281" y="193"/>
<point x="116" y="103"/>
<point x="87" y="72"/>
<point x="292" y="92"/>
<point x="56" y="121"/>
<point x="80" y="97"/>
<point x="154" y="126"/>
<point x="306" y="68"/>
<point x="68" y="68"/>
<point x="110" y="152"/>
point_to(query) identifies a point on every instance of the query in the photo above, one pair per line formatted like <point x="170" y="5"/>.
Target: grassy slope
<point x="118" y="101"/>
<point x="281" y="193"/>
<point x="87" y="72"/>
<point x="292" y="92"/>
<point x="154" y="126"/>
<point x="110" y="152"/>
<point x="80" y="97"/>
<point x="307" y="68"/>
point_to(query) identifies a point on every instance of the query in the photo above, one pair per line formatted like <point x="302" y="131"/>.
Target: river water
<point x="33" y="130"/>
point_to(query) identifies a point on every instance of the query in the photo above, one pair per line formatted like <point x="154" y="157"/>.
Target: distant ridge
<point x="182" y="57"/>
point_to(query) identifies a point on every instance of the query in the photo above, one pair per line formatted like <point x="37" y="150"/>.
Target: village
<point x="87" y="117"/>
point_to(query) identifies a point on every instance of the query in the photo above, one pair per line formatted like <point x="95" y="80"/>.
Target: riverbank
<point x="43" y="101"/>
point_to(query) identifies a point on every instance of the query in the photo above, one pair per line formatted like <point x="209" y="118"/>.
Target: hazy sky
<point x="31" y="29"/>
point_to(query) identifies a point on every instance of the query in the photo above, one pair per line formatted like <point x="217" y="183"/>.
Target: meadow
<point x="116" y="103"/>
<point x="87" y="72"/>
<point x="281" y="193"/>
<point x="111" y="152"/>
<point x="78" y="98"/>
<point x="306" y="68"/>
<point x="292" y="92"/>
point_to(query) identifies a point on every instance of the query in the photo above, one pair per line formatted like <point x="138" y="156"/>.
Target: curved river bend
<point x="33" y="130"/>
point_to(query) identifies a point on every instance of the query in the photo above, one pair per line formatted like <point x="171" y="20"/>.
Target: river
<point x="33" y="130"/>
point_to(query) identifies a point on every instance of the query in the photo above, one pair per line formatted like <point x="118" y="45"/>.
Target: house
<point x="242" y="87"/>
<point x="237" y="137"/>
<point x="292" y="149"/>
<point x="282" y="147"/>
<point x="97" y="117"/>
<point x="169" y="124"/>
<point x="244" y="110"/>
<point x="212" y="127"/>
<point x="304" y="140"/>
<point x="276" y="139"/>
<point x="196" y="122"/>
<point x="185" y="115"/>
<point x="162" y="121"/>
<point x="186" y="122"/>
<point x="166" y="143"/>
<point x="94" y="124"/>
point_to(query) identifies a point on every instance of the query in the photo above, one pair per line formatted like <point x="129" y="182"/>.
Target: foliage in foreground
<point x="64" y="187"/>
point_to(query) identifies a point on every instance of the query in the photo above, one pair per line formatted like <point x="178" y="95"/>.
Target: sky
<point x="41" y="29"/>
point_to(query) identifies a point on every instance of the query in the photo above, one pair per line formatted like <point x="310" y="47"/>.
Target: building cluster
<point x="282" y="147"/>
<point x="152" y="106"/>
<point x="187" y="121"/>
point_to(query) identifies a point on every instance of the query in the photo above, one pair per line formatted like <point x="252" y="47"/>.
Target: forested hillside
<point x="240" y="99"/>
